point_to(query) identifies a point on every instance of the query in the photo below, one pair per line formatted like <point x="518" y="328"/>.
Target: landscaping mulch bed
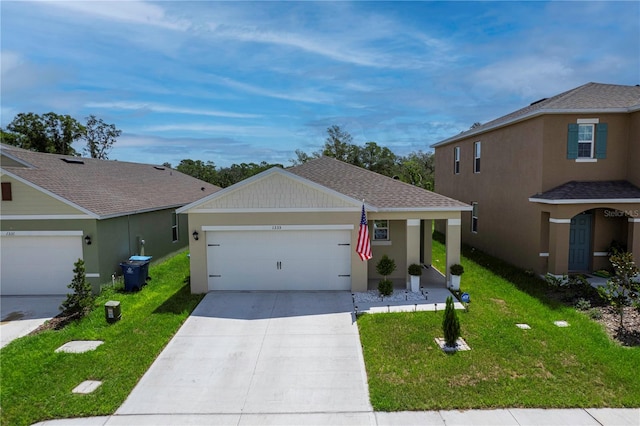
<point x="630" y="335"/>
<point x="56" y="323"/>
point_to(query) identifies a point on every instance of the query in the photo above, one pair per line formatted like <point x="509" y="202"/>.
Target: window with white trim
<point x="381" y="230"/>
<point x="174" y="227"/>
<point x="474" y="217"/>
<point x="456" y="160"/>
<point x="476" y="157"/>
<point x="585" y="140"/>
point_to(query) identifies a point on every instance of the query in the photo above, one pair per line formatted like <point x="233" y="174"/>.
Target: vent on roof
<point x="73" y="160"/>
<point x="158" y="167"/>
<point x="538" y="101"/>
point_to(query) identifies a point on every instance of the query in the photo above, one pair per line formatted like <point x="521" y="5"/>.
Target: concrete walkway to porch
<point x="432" y="296"/>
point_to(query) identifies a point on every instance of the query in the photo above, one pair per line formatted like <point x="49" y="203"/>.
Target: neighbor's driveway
<point x="249" y="353"/>
<point x="22" y="314"/>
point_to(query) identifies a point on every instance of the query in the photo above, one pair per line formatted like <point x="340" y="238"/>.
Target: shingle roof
<point x="590" y="97"/>
<point x="377" y="190"/>
<point x="594" y="190"/>
<point x="108" y="188"/>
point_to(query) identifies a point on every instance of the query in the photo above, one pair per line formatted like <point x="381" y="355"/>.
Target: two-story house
<point x="553" y="185"/>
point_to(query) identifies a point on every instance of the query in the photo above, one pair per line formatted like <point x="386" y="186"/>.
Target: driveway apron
<point x="259" y="353"/>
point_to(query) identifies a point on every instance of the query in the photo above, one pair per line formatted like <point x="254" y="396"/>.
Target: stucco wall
<point x="29" y="201"/>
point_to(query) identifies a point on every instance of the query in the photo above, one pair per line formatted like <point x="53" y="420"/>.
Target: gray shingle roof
<point x="594" y="190"/>
<point x="108" y="188"/>
<point x="590" y="97"/>
<point x="377" y="190"/>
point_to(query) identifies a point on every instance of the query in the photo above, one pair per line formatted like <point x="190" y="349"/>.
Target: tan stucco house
<point x="56" y="209"/>
<point x="296" y="229"/>
<point x="552" y="185"/>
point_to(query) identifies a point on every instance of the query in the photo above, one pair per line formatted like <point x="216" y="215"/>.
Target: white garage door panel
<point x="279" y="260"/>
<point x="38" y="265"/>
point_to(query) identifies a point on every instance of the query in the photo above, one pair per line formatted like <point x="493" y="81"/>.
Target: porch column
<point x="452" y="244"/>
<point x="633" y="238"/>
<point x="559" y="230"/>
<point x="413" y="245"/>
<point x="427" y="238"/>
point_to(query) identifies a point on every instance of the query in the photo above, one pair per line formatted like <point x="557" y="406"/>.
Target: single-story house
<point x="297" y="229"/>
<point x="56" y="209"/>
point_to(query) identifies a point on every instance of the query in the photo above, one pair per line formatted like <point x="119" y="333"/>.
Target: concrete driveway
<point x="21" y="315"/>
<point x="254" y="353"/>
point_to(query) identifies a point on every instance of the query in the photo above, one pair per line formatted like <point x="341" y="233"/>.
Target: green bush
<point x="456" y="269"/>
<point x="450" y="324"/>
<point x="385" y="287"/>
<point x="386" y="266"/>
<point x="595" y="314"/>
<point x="583" y="304"/>
<point x="415" y="270"/>
<point x="80" y="302"/>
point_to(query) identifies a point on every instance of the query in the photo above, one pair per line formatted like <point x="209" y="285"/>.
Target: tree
<point x="378" y="159"/>
<point x="385" y="267"/>
<point x="339" y="145"/>
<point x="80" y="302"/>
<point x="450" y="324"/>
<point x="302" y="157"/>
<point x="199" y="170"/>
<point x="51" y="133"/>
<point x="418" y="168"/>
<point x="100" y="137"/>
<point x="623" y="288"/>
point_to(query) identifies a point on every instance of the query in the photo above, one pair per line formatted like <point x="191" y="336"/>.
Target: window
<point x="474" y="217"/>
<point x="174" y="227"/>
<point x="456" y="160"/>
<point x="587" y="140"/>
<point x="6" y="191"/>
<point x="381" y="230"/>
<point x="476" y="157"/>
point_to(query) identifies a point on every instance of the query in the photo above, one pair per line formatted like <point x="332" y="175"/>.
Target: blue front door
<point x="580" y="243"/>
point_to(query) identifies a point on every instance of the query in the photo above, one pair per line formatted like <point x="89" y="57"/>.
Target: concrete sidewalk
<point x="501" y="417"/>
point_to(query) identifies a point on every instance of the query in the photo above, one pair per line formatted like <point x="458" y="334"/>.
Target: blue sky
<point x="233" y="82"/>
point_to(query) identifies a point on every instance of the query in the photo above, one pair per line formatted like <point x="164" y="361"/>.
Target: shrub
<point x="583" y="304"/>
<point x="80" y="302"/>
<point x="386" y="266"/>
<point x="456" y="269"/>
<point x="595" y="314"/>
<point x="621" y="290"/>
<point x="385" y="287"/>
<point x="450" y="324"/>
<point x="415" y="270"/>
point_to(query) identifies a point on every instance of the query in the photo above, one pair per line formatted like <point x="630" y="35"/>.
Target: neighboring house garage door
<point x="38" y="262"/>
<point x="279" y="260"/>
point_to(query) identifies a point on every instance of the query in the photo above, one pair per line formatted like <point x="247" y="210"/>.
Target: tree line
<point x="55" y="133"/>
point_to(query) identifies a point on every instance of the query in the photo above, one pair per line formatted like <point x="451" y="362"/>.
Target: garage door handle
<point x="278" y="265"/>
<point x="215" y="276"/>
<point x="213" y="245"/>
<point x="344" y="244"/>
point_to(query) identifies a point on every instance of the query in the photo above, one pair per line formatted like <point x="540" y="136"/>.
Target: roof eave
<point x="585" y="201"/>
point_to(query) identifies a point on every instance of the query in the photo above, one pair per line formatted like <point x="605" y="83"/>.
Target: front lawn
<point x="546" y="366"/>
<point x="37" y="382"/>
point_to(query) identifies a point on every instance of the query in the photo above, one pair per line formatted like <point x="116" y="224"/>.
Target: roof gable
<point x="273" y="190"/>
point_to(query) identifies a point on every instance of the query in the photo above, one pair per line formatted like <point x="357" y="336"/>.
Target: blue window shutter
<point x="601" y="140"/>
<point x="572" y="141"/>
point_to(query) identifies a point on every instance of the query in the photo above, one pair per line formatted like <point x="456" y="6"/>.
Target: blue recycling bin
<point x="145" y="266"/>
<point x="133" y="274"/>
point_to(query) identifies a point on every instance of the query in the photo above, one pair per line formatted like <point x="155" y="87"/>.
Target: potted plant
<point x="456" y="271"/>
<point x="385" y="267"/>
<point x="415" y="271"/>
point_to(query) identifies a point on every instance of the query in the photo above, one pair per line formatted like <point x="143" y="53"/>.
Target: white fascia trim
<point x="51" y="194"/>
<point x="92" y="275"/>
<point x="426" y="209"/>
<point x="532" y="115"/>
<point x="149" y="210"/>
<point x="42" y="233"/>
<point x="278" y="228"/>
<point x="594" y="201"/>
<point x="46" y="217"/>
<point x="544" y="254"/>
<point x="554" y="220"/>
<point x="454" y="222"/>
<point x="278" y="210"/>
<point x="265" y="174"/>
<point x="600" y="254"/>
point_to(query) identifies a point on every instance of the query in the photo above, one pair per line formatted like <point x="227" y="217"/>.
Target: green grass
<point x="546" y="366"/>
<point x="37" y="382"/>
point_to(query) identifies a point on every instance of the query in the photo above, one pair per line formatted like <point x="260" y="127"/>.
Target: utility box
<point x="112" y="311"/>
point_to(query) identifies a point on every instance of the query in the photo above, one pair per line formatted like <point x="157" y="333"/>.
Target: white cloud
<point x="130" y="11"/>
<point x="307" y="95"/>
<point x="153" y="107"/>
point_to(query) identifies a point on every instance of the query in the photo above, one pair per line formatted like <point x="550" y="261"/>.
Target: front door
<point x="580" y="243"/>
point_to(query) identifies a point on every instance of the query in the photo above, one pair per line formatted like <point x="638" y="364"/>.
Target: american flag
<point x="364" y="245"/>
